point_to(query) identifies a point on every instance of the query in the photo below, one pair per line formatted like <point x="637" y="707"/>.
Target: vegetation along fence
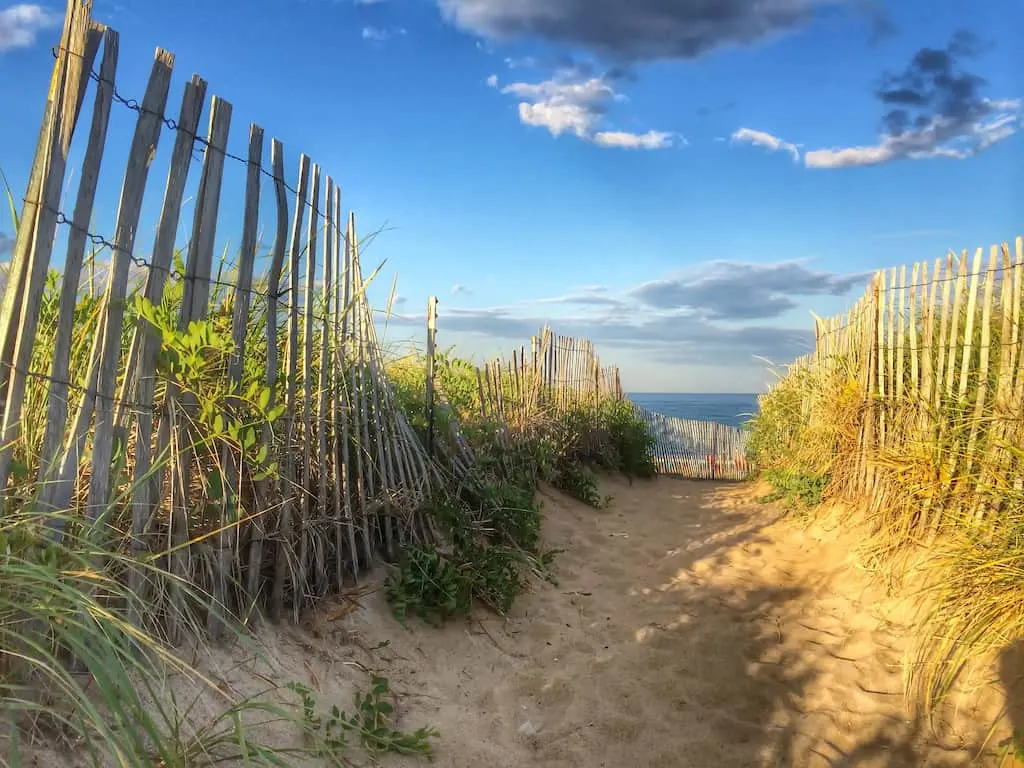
<point x="239" y="423"/>
<point x="558" y="374"/>
<point x="915" y="396"/>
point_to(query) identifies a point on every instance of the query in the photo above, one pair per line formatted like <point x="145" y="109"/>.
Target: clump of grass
<point x="74" y="671"/>
<point x="76" y="674"/>
<point x="369" y="725"/>
<point x="579" y="482"/>
<point x="972" y="608"/>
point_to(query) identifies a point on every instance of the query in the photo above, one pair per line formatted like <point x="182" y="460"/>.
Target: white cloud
<point x="575" y="104"/>
<point x="492" y="81"/>
<point x="941" y="137"/>
<point x="649" y="140"/>
<point x="20" y="25"/>
<point x="766" y="140"/>
<point x="558" y="118"/>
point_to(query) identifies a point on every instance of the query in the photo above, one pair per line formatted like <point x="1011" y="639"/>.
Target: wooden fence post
<point x="431" y="351"/>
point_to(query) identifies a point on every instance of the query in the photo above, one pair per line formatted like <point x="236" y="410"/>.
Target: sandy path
<point x="689" y="626"/>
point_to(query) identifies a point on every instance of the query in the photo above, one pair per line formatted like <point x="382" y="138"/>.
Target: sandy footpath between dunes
<point x="690" y="626"/>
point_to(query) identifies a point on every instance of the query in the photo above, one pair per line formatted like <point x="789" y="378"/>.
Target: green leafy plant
<point x="485" y="561"/>
<point x="795" y="489"/>
<point x="368" y="726"/>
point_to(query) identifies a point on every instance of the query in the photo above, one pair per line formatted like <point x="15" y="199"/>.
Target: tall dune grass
<point x="86" y="656"/>
<point x="942" y="491"/>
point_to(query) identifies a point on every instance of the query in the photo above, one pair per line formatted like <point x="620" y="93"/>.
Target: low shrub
<point x="488" y="550"/>
<point x="795" y="489"/>
<point x="579" y="482"/>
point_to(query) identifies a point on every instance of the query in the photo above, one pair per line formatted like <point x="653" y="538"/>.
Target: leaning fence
<point x="556" y="374"/>
<point x="239" y="421"/>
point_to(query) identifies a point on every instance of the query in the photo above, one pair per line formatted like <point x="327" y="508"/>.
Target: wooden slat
<point x="285" y="518"/>
<point x="338" y="415"/>
<point x="309" y="296"/>
<point x="33" y="242"/>
<point x="60" y="372"/>
<point x="361" y="433"/>
<point x="267" y="486"/>
<point x="324" y="389"/>
<point x="901" y="331"/>
<point x="144" y="142"/>
<point x="231" y="458"/>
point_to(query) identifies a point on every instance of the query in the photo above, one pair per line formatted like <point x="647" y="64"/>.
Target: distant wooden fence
<point x="251" y="399"/>
<point x="700" y="450"/>
<point x="930" y="363"/>
<point x="557" y="373"/>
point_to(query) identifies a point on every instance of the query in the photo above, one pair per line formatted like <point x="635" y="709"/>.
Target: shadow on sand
<point x="769" y="651"/>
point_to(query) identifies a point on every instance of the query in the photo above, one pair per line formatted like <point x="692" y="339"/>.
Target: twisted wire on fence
<point x="283" y="437"/>
<point x="135" y="105"/>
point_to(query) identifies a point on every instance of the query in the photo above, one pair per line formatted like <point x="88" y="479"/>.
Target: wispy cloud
<point x="624" y="140"/>
<point x="933" y="109"/>
<point x="377" y="34"/>
<point x="6" y="245"/>
<point x="733" y="290"/>
<point x="663" y="337"/>
<point x="584" y="299"/>
<point x="492" y="81"/>
<point x="720" y="313"/>
<point x="575" y="102"/>
<point x="524" y="62"/>
<point x="766" y="140"/>
<point x="21" y="24"/>
<point x="460" y="290"/>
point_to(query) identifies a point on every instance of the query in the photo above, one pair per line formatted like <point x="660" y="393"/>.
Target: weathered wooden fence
<point x="239" y="423"/>
<point x="931" y="364"/>
<point x="700" y="450"/>
<point x="555" y="374"/>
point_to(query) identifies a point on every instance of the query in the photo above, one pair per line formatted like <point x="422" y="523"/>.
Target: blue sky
<point x="682" y="185"/>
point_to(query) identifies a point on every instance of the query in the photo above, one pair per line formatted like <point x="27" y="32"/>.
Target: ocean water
<point x="733" y="410"/>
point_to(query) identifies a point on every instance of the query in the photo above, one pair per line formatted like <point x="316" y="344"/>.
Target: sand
<point x="689" y="626"/>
